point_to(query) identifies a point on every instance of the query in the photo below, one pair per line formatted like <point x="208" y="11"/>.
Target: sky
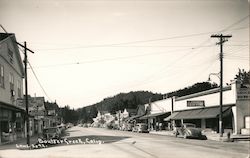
<point x="88" y="50"/>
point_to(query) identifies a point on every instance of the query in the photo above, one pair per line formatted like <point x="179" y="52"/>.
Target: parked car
<point x="127" y="127"/>
<point x="61" y="128"/>
<point x="188" y="130"/>
<point x="51" y="133"/>
<point x="140" y="128"/>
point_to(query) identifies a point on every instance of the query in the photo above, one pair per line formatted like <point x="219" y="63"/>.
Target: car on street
<point x="127" y="127"/>
<point x="140" y="128"/>
<point x="188" y="130"/>
<point x="51" y="133"/>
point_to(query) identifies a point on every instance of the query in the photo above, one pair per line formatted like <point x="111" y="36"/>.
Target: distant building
<point x="36" y="111"/>
<point x="52" y="117"/>
<point x="12" y="122"/>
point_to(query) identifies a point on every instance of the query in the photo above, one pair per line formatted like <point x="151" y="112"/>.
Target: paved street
<point x="95" y="142"/>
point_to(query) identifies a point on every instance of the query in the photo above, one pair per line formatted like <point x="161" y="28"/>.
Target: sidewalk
<point x="21" y="141"/>
<point x="209" y="135"/>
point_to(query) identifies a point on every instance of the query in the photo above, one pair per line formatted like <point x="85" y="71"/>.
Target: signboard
<point x="247" y="122"/>
<point x="243" y="94"/>
<point x="195" y="103"/>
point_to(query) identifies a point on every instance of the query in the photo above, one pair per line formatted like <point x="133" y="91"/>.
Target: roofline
<point x="211" y="91"/>
<point x="206" y="107"/>
<point x="12" y="35"/>
<point x="12" y="106"/>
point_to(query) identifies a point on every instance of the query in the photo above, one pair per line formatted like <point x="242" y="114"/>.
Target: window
<point x="1" y="76"/>
<point x="10" y="56"/>
<point x="19" y="89"/>
<point x="11" y="80"/>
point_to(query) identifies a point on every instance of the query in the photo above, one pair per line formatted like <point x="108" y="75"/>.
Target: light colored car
<point x="188" y="130"/>
<point x="51" y="133"/>
<point x="140" y="128"/>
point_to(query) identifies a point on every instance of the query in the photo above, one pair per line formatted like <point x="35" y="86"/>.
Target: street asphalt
<point x="103" y="143"/>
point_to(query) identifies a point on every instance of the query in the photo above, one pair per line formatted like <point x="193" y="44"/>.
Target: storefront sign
<point x="194" y="103"/>
<point x="243" y="94"/>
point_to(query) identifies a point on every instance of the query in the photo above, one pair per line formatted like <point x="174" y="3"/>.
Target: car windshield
<point x="50" y="130"/>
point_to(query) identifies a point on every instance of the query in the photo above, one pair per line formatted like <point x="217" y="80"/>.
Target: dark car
<point x="188" y="130"/>
<point x="51" y="133"/>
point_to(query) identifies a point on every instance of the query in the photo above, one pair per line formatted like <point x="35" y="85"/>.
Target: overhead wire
<point x="128" y="44"/>
<point x="38" y="81"/>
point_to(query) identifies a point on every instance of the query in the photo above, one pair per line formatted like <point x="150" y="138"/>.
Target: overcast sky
<point x="88" y="50"/>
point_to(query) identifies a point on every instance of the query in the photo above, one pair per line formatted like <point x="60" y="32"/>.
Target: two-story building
<point x="36" y="111"/>
<point x="12" y="122"/>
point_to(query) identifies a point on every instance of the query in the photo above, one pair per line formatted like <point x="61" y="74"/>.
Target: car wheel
<point x="185" y="136"/>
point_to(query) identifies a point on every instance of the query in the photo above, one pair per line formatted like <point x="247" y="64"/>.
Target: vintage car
<point x="51" y="133"/>
<point x="140" y="128"/>
<point x="188" y="130"/>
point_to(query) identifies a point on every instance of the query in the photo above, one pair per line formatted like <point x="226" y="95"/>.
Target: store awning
<point x="153" y="115"/>
<point x="211" y="112"/>
<point x="171" y="116"/>
<point x="133" y="117"/>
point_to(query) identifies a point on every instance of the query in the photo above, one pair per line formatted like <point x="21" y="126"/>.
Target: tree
<point x="243" y="76"/>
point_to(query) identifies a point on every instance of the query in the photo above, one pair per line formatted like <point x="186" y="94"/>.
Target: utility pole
<point x="222" y="39"/>
<point x="26" y="90"/>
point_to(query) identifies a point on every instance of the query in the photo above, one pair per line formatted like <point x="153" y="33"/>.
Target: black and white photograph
<point x="124" y="79"/>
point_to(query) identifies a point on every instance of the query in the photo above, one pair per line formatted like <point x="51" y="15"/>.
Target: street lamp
<point x="215" y="74"/>
<point x="221" y="90"/>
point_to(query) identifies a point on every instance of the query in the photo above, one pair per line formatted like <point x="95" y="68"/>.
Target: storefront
<point x="155" y="121"/>
<point x="12" y="124"/>
<point x="206" y="118"/>
<point x="203" y="109"/>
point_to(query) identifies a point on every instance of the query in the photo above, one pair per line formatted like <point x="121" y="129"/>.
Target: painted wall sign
<point x="243" y="94"/>
<point x="194" y="103"/>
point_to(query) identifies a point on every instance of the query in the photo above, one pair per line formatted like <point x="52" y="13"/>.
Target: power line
<point x="112" y="59"/>
<point x="39" y="81"/>
<point x="127" y="44"/>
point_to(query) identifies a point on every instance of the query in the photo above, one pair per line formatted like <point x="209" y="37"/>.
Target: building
<point x="52" y="115"/>
<point x="156" y="112"/>
<point x="12" y="117"/>
<point x="37" y="113"/>
<point x="203" y="109"/>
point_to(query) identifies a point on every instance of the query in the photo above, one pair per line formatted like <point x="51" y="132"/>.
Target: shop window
<point x="4" y="126"/>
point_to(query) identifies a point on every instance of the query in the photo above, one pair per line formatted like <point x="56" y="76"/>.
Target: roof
<point x="11" y="37"/>
<point x="51" y="106"/>
<point x="133" y="117"/>
<point x="211" y="91"/>
<point x="11" y="107"/>
<point x="4" y="36"/>
<point x="211" y="112"/>
<point x="153" y="115"/>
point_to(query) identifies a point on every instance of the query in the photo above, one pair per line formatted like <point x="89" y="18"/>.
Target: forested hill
<point x="126" y="101"/>
<point x="197" y="87"/>
<point x="112" y="104"/>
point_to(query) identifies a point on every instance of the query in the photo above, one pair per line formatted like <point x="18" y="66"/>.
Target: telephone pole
<point x="222" y="39"/>
<point x="26" y="90"/>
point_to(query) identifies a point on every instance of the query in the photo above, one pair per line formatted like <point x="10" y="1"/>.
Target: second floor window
<point x="10" y="56"/>
<point x="11" y="80"/>
<point x="19" y="89"/>
<point x="1" y="76"/>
